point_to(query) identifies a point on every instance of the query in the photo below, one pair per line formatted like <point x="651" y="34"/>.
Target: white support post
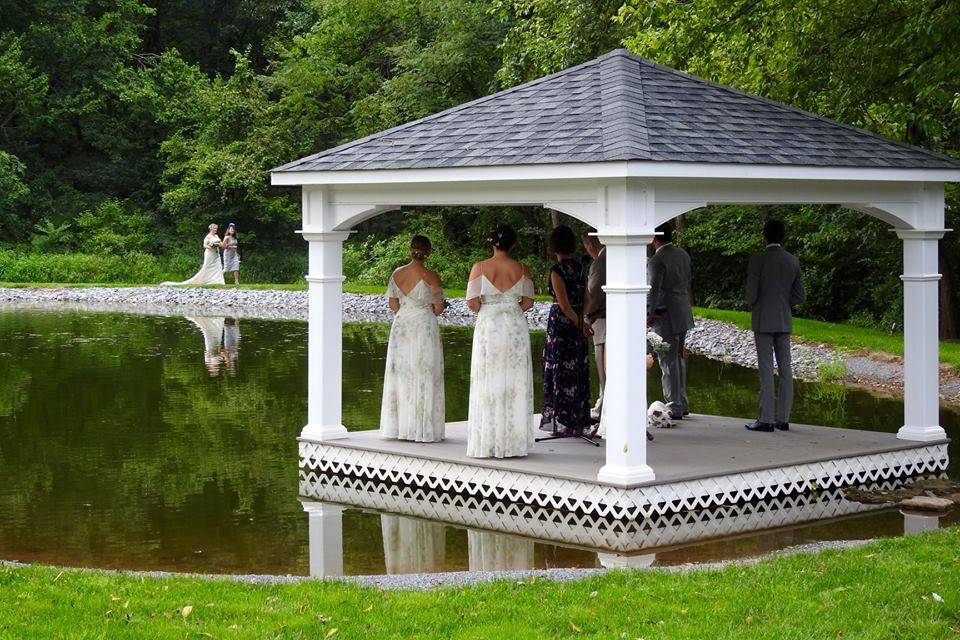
<point x="325" y="336"/>
<point x="921" y="339"/>
<point x="325" y="538"/>
<point x="625" y="394"/>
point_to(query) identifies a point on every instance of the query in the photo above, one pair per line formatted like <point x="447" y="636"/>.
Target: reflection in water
<point x="498" y="552"/>
<point x="221" y="343"/>
<point x="414" y="545"/>
<point x="619" y="561"/>
<point x="411" y="545"/>
<point x="145" y="470"/>
<point x="919" y="521"/>
<point x="325" y="539"/>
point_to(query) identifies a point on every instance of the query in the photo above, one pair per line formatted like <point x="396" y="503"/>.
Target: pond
<point x="144" y="442"/>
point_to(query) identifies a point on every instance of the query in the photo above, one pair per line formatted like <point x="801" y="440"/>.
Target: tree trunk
<point x="554" y="218"/>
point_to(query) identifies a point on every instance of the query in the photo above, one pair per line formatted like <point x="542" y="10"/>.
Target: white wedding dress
<point x="413" y="395"/>
<point x="500" y="421"/>
<point x="211" y="271"/>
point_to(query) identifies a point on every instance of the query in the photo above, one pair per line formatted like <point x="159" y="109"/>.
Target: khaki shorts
<point x="599" y="327"/>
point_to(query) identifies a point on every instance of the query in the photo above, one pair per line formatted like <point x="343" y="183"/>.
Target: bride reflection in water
<point x="220" y="343"/>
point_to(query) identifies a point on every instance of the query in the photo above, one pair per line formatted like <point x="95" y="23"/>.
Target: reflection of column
<point x="921" y="336"/>
<point x="325" y="535"/>
<point x="325" y="336"/>
<point x="918" y="522"/>
<point x="411" y="545"/>
<point x="617" y="561"/>
<point x="498" y="552"/>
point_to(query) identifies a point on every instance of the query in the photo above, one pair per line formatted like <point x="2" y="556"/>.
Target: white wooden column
<point x="625" y="393"/>
<point x="325" y="538"/>
<point x="325" y="336"/>
<point x="921" y="339"/>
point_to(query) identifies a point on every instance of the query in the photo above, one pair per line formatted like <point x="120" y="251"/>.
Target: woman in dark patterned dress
<point x="566" y="368"/>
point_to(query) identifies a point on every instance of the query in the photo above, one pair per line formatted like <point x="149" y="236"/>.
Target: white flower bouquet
<point x="657" y="344"/>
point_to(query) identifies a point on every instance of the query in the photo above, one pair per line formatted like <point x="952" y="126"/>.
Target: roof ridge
<point x="380" y="134"/>
<point x="786" y="107"/>
<point x="623" y="109"/>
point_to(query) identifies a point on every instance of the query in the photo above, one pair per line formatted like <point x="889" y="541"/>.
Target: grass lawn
<point x="885" y="590"/>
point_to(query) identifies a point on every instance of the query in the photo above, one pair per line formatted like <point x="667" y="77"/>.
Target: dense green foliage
<point x="127" y="126"/>
<point x="895" y="588"/>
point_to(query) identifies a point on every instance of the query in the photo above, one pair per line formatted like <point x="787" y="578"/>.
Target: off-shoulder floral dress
<point x="413" y="395"/>
<point x="500" y="420"/>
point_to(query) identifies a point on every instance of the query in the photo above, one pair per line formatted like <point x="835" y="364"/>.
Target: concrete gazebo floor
<point x="700" y="446"/>
<point x="704" y="462"/>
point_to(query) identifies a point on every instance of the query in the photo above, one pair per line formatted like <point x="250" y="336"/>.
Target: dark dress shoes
<point x="676" y="416"/>
<point x="759" y="426"/>
<point x="782" y="426"/>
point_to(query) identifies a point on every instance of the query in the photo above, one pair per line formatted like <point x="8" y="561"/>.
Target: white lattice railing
<point x="479" y="487"/>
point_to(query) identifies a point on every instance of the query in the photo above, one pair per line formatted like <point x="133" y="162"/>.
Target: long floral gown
<point x="413" y="395"/>
<point x="566" y="359"/>
<point x="500" y="420"/>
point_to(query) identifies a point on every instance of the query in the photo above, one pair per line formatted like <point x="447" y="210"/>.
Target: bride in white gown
<point x="211" y="271"/>
<point x="500" y="421"/>
<point x="413" y="395"/>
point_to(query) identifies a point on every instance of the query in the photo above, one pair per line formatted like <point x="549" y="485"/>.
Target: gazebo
<point x="624" y="144"/>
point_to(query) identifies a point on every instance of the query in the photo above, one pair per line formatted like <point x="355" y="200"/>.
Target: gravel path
<point x="425" y="581"/>
<point x="711" y="338"/>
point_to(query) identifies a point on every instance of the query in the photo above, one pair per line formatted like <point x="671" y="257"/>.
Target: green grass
<point x="845" y="337"/>
<point x="884" y="590"/>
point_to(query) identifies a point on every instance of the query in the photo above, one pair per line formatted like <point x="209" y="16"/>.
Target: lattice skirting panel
<point x="582" y="530"/>
<point x="421" y="479"/>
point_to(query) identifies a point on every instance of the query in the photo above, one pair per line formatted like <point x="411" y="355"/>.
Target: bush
<point x="136" y="267"/>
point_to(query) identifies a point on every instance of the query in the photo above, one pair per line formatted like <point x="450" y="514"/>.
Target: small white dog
<point x="658" y="415"/>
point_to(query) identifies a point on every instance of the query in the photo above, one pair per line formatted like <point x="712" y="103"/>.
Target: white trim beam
<point x="618" y="169"/>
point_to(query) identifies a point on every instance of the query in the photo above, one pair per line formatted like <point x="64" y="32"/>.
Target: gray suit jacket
<point x="774" y="287"/>
<point x="668" y="271"/>
<point x="596" y="306"/>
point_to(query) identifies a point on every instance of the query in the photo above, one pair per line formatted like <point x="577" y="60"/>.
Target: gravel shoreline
<point x="710" y="338"/>
<point x="426" y="581"/>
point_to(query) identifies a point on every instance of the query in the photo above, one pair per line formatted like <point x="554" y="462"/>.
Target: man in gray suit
<point x="670" y="314"/>
<point x="595" y="310"/>
<point x="774" y="287"/>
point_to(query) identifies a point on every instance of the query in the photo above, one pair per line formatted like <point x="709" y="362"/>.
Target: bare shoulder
<point x="432" y="278"/>
<point x="476" y="270"/>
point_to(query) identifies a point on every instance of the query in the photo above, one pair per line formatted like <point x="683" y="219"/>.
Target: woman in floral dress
<point x="566" y="367"/>
<point x="413" y="395"/>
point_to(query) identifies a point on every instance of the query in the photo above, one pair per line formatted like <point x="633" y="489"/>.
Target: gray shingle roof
<point x="620" y="107"/>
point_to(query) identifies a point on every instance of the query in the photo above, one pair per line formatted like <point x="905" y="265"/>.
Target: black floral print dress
<point x="566" y="368"/>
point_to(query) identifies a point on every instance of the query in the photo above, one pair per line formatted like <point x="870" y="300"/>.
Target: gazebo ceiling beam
<point x="904" y="205"/>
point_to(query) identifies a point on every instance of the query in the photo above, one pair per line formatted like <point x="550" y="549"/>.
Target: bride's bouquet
<point x="657" y="344"/>
<point x="215" y="242"/>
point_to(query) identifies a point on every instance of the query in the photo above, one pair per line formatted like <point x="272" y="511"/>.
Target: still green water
<point x="125" y="443"/>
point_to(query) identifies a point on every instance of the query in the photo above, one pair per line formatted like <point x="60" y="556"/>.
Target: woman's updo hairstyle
<point x="420" y="248"/>
<point x="562" y="240"/>
<point x="503" y="237"/>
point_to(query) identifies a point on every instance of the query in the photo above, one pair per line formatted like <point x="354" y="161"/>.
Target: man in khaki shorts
<point x="595" y="309"/>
